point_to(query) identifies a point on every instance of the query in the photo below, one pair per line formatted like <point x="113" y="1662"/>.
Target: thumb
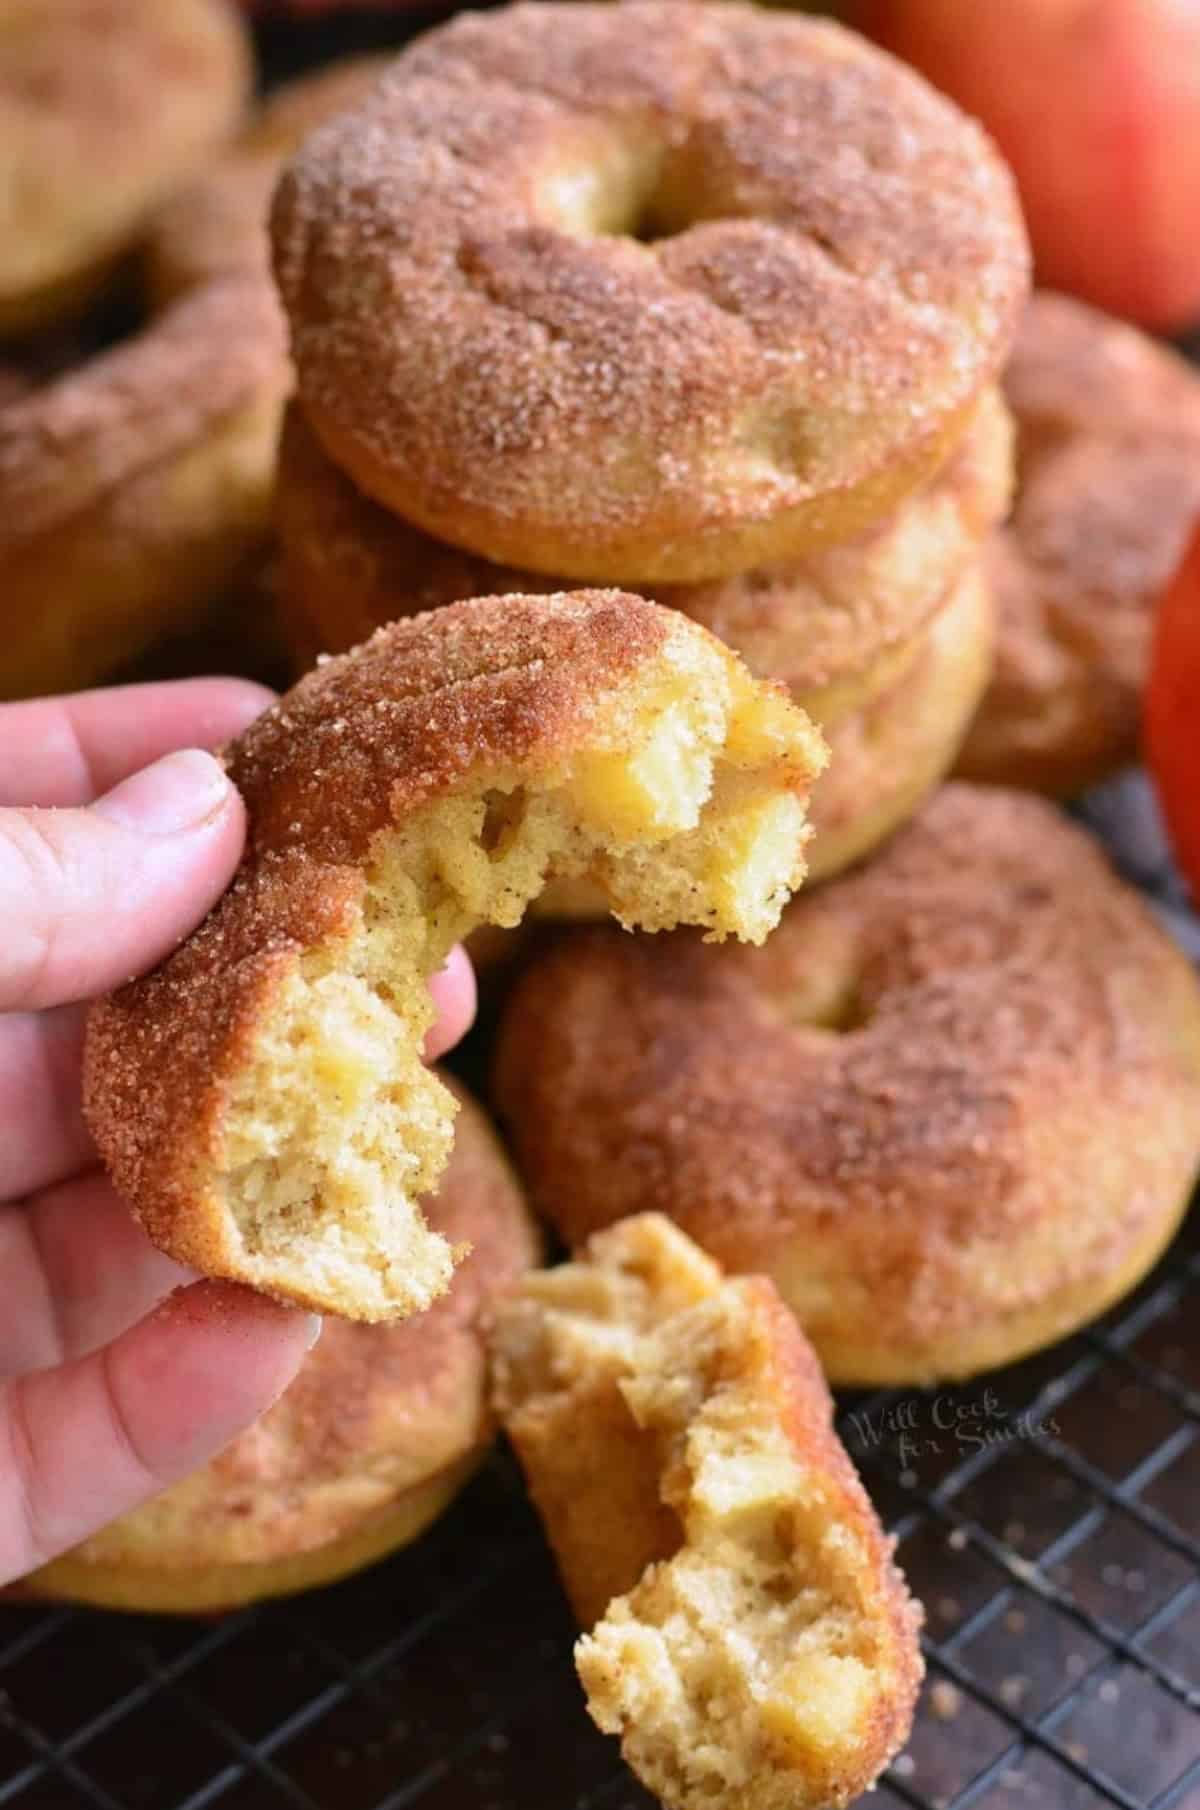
<point x="87" y="1442"/>
<point x="91" y="897"/>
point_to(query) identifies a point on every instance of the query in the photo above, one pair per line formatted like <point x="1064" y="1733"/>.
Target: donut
<point x="890" y="743"/>
<point x="216" y="226"/>
<point x="750" y="1639"/>
<point x="1109" y="460"/>
<point x="135" y="488"/>
<point x="373" y="1439"/>
<point x="885" y="641"/>
<point x="260" y="1098"/>
<point x="826" y="624"/>
<point x="105" y="107"/>
<point x="645" y="293"/>
<point x="951" y="1107"/>
<point x="888" y="751"/>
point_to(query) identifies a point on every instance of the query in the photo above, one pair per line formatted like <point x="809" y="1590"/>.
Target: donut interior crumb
<point x="755" y="1662"/>
<point x="678" y="806"/>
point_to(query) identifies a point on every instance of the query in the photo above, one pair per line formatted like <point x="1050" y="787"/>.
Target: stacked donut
<point x="712" y="304"/>
<point x="136" y="483"/>
<point x="617" y="316"/>
<point x="1108" y="436"/>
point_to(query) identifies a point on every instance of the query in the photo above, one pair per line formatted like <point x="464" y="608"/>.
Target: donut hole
<point x="334" y="1128"/>
<point x="630" y="185"/>
<point x="843" y="1011"/>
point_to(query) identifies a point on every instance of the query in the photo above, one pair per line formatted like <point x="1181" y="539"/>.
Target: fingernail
<point x="179" y="792"/>
<point x="315" y="1327"/>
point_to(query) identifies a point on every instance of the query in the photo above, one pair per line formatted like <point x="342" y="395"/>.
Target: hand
<point x="119" y="1373"/>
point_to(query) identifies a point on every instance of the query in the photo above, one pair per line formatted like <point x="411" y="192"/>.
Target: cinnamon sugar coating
<point x="747" y="1633"/>
<point x="135" y="487"/>
<point x="134" y="490"/>
<point x="645" y="293"/>
<point x="1109" y="486"/>
<point x="105" y="107"/>
<point x="260" y="1098"/>
<point x="886" y="641"/>
<point x="818" y="623"/>
<point x="375" y="1417"/>
<point x="892" y="741"/>
<point x="951" y="1107"/>
<point x="217" y="225"/>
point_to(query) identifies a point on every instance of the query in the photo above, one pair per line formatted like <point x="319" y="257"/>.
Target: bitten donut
<point x="105" y="107"/>
<point x="260" y="1098"/>
<point x="373" y="1439"/>
<point x="951" y="1107"/>
<point x="750" y="1640"/>
<point x="135" y="488"/>
<point x="1109" y="460"/>
<point x="648" y="292"/>
<point x="885" y="641"/>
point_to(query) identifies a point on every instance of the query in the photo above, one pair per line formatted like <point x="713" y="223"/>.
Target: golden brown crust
<point x="647" y="1399"/>
<point x="825" y="621"/>
<point x="892" y="737"/>
<point x="374" y="1417"/>
<point x="886" y="642"/>
<point x="893" y="742"/>
<point x="951" y="1106"/>
<point x="217" y="225"/>
<point x="159" y="1050"/>
<point x="814" y="623"/>
<point x="486" y="348"/>
<point x="351" y="749"/>
<point x="426" y="706"/>
<point x="135" y="488"/>
<point x="498" y="695"/>
<point x="73" y="442"/>
<point x="797" y="1383"/>
<point x="105" y="107"/>
<point x="1109" y="461"/>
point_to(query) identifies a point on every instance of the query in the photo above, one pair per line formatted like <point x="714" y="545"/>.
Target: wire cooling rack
<point x="1048" y="1516"/>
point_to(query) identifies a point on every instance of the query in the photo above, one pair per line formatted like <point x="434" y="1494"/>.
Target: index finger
<point x="87" y="1441"/>
<point x="68" y="751"/>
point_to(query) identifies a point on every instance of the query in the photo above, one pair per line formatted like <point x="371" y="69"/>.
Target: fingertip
<point x="89" y="1440"/>
<point x="455" y="1000"/>
<point x="219" y="1354"/>
<point x="212" y="1324"/>
<point x="240" y="702"/>
<point x="225" y="1310"/>
<point x="183" y="791"/>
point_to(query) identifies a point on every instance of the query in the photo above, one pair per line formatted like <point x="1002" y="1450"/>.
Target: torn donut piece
<point x="261" y="1098"/>
<point x="750" y="1640"/>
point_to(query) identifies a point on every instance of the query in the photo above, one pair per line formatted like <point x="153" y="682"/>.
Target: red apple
<point x="1096" y="105"/>
<point x="1172" y="728"/>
